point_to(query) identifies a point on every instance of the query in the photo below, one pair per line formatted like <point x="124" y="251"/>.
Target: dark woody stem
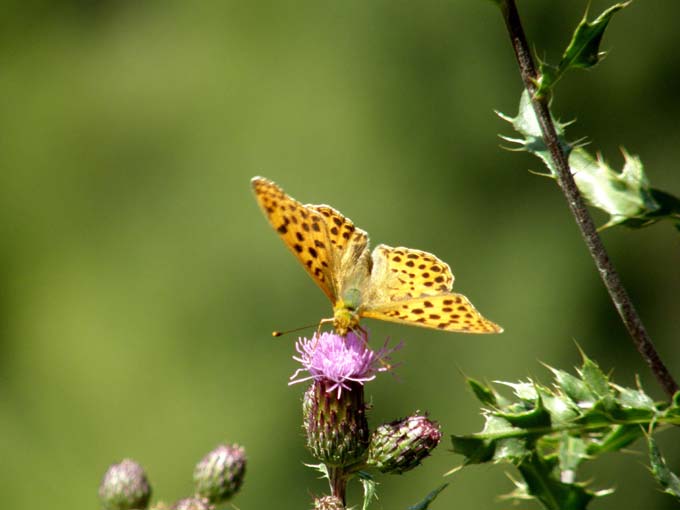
<point x="610" y="277"/>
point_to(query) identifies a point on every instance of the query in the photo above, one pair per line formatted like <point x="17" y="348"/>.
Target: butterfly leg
<point x="329" y="320"/>
<point x="363" y="334"/>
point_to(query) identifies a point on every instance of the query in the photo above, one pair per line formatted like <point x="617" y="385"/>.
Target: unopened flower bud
<point x="335" y="424"/>
<point x="125" y="487"/>
<point x="219" y="475"/>
<point x="328" y="503"/>
<point x="401" y="445"/>
<point x="193" y="503"/>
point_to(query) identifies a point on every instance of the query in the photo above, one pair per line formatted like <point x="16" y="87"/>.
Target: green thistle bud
<point x="219" y="475"/>
<point x="335" y="423"/>
<point x="125" y="487"/>
<point x="401" y="445"/>
<point x="328" y="503"/>
<point x="194" y="503"/>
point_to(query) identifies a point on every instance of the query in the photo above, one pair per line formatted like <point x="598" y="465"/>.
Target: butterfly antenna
<point x="281" y="333"/>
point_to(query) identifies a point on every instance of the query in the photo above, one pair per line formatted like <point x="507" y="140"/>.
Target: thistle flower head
<point x="193" y="503"/>
<point x="328" y="503"/>
<point x="219" y="475"/>
<point x="125" y="487"/>
<point x="339" y="360"/>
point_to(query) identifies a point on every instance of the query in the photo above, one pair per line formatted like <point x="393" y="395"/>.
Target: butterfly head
<point x="345" y="317"/>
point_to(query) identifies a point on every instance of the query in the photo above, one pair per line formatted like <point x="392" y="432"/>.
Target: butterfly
<point x="400" y="285"/>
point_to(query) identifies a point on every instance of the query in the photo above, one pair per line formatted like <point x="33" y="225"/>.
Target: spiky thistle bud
<point x="193" y="503"/>
<point x="401" y="445"/>
<point x="219" y="475"/>
<point x="125" y="487"/>
<point x="336" y="426"/>
<point x="328" y="503"/>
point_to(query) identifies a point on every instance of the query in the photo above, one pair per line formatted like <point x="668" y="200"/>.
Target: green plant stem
<point x="338" y="483"/>
<point x="608" y="273"/>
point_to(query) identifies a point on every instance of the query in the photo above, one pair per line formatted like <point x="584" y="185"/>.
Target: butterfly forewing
<point x="340" y="229"/>
<point x="303" y="229"/>
<point x="349" y="247"/>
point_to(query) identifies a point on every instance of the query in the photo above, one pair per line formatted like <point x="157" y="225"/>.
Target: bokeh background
<point x="140" y="282"/>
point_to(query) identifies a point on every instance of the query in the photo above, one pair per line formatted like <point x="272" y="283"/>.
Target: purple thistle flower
<point x="339" y="360"/>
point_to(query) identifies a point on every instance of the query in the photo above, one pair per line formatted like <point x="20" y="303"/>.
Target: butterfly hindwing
<point x="402" y="273"/>
<point x="414" y="287"/>
<point x="447" y="312"/>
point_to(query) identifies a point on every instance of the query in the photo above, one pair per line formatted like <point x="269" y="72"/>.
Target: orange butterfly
<point x="392" y="284"/>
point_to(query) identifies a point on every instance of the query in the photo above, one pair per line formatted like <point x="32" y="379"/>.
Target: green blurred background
<point x="140" y="282"/>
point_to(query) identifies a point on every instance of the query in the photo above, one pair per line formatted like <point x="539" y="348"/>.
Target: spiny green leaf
<point x="617" y="438"/>
<point x="672" y="413"/>
<point x="625" y="196"/>
<point x="321" y="468"/>
<point x="596" y="380"/>
<point x="480" y="451"/>
<point x="582" y="52"/>
<point x="510" y="450"/>
<point x="632" y="414"/>
<point x="573" y="451"/>
<point x="561" y="409"/>
<point x="525" y="391"/>
<point x="597" y="416"/>
<point x="483" y="393"/>
<point x="425" y="503"/>
<point x="552" y="493"/>
<point x="635" y="398"/>
<point x="526" y="123"/>
<point x="537" y="417"/>
<point x="497" y="442"/>
<point x="549" y="432"/>
<point x="548" y="76"/>
<point x="668" y="207"/>
<point x="584" y="49"/>
<point x="676" y="399"/>
<point x="666" y="478"/>
<point x="370" y="488"/>
<point x="475" y="449"/>
<point x="576" y="389"/>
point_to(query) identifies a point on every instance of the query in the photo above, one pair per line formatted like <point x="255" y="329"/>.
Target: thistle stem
<point x="338" y="483"/>
<point x="608" y="273"/>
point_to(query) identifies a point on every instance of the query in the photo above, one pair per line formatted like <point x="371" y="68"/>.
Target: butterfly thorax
<point x="346" y="312"/>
